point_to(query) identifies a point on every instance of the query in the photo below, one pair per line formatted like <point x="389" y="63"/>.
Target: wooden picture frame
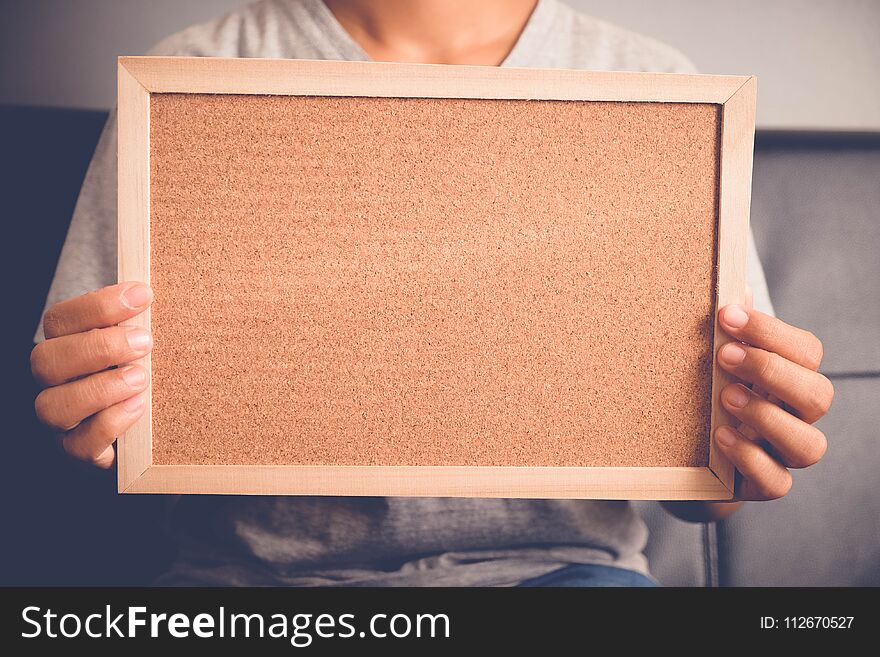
<point x="139" y="77"/>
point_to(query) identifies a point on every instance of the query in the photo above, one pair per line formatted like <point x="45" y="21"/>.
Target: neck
<point x="434" y="31"/>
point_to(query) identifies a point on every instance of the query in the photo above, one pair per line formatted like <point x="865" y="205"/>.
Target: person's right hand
<point x="87" y="401"/>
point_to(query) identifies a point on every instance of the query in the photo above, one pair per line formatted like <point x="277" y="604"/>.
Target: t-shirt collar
<point x="531" y="39"/>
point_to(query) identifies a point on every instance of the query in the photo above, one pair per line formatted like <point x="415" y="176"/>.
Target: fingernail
<point x="733" y="354"/>
<point x="724" y="436"/>
<point x="134" y="377"/>
<point x="133" y="404"/>
<point x="735" y="316"/>
<point x="737" y="396"/>
<point x="137" y="296"/>
<point x="138" y="339"/>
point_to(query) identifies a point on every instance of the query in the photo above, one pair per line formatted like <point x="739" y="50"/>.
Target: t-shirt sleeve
<point x="756" y="280"/>
<point x="88" y="257"/>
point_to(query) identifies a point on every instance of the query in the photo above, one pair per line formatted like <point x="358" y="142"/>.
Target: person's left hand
<point x="776" y="415"/>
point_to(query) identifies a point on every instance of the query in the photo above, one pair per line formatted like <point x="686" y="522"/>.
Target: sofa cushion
<point x="827" y="531"/>
<point x="816" y="219"/>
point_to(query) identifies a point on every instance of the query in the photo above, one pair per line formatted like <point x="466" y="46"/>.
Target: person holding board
<point x="92" y="393"/>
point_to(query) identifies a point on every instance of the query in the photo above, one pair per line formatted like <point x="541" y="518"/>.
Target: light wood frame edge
<point x="134" y="450"/>
<point x="734" y="201"/>
<point x="434" y="481"/>
<point x="141" y="76"/>
<point x="217" y="75"/>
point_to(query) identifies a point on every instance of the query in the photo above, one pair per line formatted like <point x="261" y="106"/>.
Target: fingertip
<point x="732" y="354"/>
<point x="139" y="339"/>
<point x="137" y="296"/>
<point x="734" y="316"/>
<point x="106" y="458"/>
<point x="726" y="436"/>
<point x="134" y="404"/>
<point x="736" y="396"/>
<point x="134" y="375"/>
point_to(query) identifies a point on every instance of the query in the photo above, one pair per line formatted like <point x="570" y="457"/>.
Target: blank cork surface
<point x="396" y="281"/>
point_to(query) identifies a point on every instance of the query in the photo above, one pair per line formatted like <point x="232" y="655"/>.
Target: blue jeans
<point x="590" y="575"/>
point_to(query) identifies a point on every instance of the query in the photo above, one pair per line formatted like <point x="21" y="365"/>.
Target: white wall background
<point x="818" y="61"/>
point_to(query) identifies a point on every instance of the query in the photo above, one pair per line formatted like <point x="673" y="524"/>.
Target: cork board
<point x="356" y="283"/>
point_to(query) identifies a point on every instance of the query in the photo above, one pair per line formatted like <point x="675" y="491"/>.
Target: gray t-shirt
<point x="374" y="541"/>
